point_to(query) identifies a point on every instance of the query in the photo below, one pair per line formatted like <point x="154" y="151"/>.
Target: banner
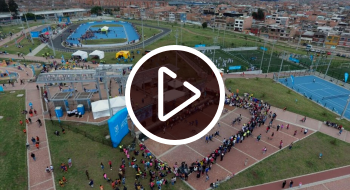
<point x="199" y="45"/>
<point x="263" y="48"/>
<point x="293" y="59"/>
<point x="311" y="57"/>
<point x="346" y="76"/>
<point x="292" y="79"/>
<point x="118" y="127"/>
<point x="234" y="67"/>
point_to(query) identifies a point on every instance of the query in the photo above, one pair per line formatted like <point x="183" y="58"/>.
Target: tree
<point x="3" y="6"/>
<point x="96" y="10"/>
<point x="205" y="25"/>
<point x="13" y="7"/>
<point x="255" y="15"/>
<point x="261" y="14"/>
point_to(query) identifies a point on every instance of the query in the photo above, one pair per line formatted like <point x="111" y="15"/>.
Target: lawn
<point x="280" y="96"/>
<point x="87" y="155"/>
<point x="105" y="41"/>
<point x="27" y="45"/>
<point x="17" y="28"/>
<point x="13" y="173"/>
<point x="302" y="159"/>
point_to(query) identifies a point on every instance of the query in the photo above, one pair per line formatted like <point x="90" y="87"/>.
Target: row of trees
<point x="97" y="10"/>
<point x="9" y="6"/>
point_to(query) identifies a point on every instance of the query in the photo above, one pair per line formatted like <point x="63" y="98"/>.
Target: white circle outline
<point x="174" y="48"/>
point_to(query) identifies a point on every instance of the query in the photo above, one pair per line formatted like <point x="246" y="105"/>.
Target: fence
<point x="101" y="140"/>
<point x="240" y="49"/>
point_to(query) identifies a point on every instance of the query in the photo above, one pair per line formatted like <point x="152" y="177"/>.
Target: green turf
<point x="105" y="41"/>
<point x="27" y="45"/>
<point x="87" y="155"/>
<point x="279" y="96"/>
<point x="13" y="160"/>
<point x="301" y="159"/>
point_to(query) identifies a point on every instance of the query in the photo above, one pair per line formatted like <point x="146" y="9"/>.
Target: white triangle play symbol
<point x="161" y="115"/>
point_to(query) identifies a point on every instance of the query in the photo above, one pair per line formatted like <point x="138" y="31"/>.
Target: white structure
<point x="101" y="108"/>
<point x="97" y="53"/>
<point x="171" y="17"/>
<point x="80" y="54"/>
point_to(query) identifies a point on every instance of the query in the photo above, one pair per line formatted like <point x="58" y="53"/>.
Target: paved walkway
<point x="33" y="58"/>
<point x="38" y="179"/>
<point x="37" y="50"/>
<point x="8" y="39"/>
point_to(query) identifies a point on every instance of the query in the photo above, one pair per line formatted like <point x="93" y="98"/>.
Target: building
<point x="243" y="23"/>
<point x="332" y="40"/>
<point x="344" y="40"/>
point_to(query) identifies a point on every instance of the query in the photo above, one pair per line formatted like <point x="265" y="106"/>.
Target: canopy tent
<point x="125" y="54"/>
<point x="97" y="53"/>
<point x="104" y="29"/>
<point x="80" y="54"/>
<point x="101" y="108"/>
<point x="171" y="95"/>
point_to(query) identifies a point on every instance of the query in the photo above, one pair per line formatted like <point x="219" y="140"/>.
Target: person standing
<point x="102" y="166"/>
<point x="47" y="169"/>
<point x="278" y="127"/>
<point x="291" y="184"/>
<point x="91" y="183"/>
<point x="258" y="138"/>
<point x="264" y="150"/>
<point x="340" y="131"/>
<point x="284" y="184"/>
<point x="291" y="146"/>
<point x="110" y="164"/>
<point x="207" y="178"/>
<point x="69" y="162"/>
<point x="33" y="156"/>
<point x="281" y="144"/>
<point x="51" y="168"/>
<point x="246" y="161"/>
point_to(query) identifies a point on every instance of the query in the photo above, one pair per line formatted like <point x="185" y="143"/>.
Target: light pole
<point x="181" y="31"/>
<point x="223" y="41"/>
<point x="262" y="58"/>
<point x="143" y="38"/>
<point x="176" y="35"/>
<point x="31" y="39"/>
<point x="346" y="106"/>
<point x="50" y="36"/>
<point x="330" y="61"/>
<point x="268" y="67"/>
<point x="278" y="78"/>
<point x="215" y="41"/>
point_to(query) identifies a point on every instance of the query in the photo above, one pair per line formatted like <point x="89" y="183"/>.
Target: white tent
<point x="101" y="109"/>
<point x="99" y="54"/>
<point x="104" y="29"/>
<point x="81" y="54"/>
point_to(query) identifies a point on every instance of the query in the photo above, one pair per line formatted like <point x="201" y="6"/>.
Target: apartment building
<point x="243" y="23"/>
<point x="171" y="17"/>
<point x="344" y="40"/>
<point x="332" y="40"/>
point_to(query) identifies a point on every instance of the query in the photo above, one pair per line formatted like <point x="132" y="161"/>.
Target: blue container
<point x="59" y="111"/>
<point x="81" y="109"/>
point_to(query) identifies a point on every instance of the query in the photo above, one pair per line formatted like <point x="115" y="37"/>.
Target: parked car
<point x="304" y="44"/>
<point x="343" y="55"/>
<point x="323" y="52"/>
<point x="318" y="51"/>
<point x="338" y="54"/>
<point x="329" y="53"/>
<point x="312" y="50"/>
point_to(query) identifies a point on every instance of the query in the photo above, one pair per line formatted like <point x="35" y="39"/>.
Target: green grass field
<point x="105" y="41"/>
<point x="27" y="45"/>
<point x="87" y="155"/>
<point x="280" y="96"/>
<point x="301" y="159"/>
<point x="13" y="173"/>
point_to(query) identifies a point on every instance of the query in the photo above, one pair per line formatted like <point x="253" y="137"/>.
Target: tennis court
<point x="326" y="93"/>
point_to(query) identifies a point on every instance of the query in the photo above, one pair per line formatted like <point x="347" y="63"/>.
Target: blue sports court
<point x="126" y="31"/>
<point x="326" y="93"/>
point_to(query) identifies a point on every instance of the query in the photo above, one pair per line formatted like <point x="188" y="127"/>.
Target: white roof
<point x="171" y="95"/>
<point x="82" y="54"/>
<point x="101" y="108"/>
<point x="59" y="11"/>
<point x="104" y="28"/>
<point x="98" y="53"/>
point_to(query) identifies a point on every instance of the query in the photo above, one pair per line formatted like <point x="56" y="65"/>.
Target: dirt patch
<point x="255" y="175"/>
<point x="3" y="153"/>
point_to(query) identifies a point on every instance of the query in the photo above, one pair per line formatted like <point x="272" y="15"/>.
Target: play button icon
<point x="161" y="115"/>
<point x="175" y="95"/>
